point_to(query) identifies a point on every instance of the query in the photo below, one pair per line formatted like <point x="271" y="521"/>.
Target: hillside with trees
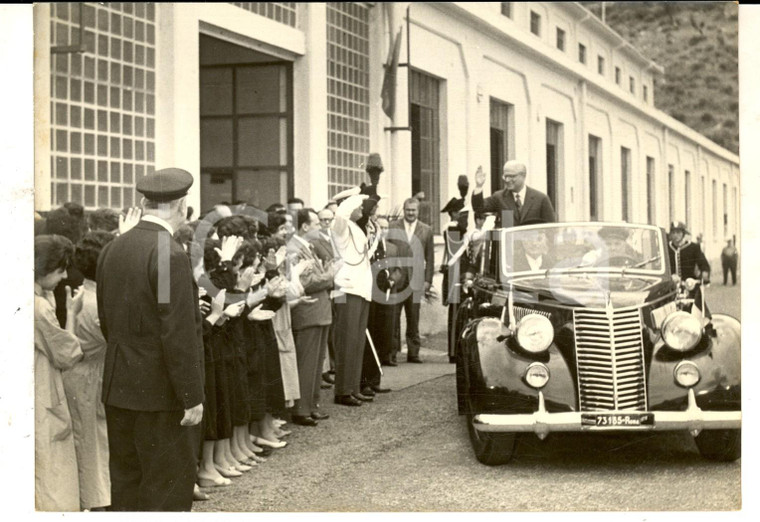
<point x="697" y="45"/>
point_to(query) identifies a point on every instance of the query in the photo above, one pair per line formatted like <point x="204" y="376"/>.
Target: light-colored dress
<point x="55" y="349"/>
<point x="83" y="384"/>
<point x="283" y="331"/>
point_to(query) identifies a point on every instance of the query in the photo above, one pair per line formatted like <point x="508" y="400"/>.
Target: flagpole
<point x="408" y="69"/>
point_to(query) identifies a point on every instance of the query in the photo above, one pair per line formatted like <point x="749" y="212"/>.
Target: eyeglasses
<point x="326" y="220"/>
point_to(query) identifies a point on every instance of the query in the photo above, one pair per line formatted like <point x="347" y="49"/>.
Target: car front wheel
<point x="720" y="445"/>
<point x="491" y="449"/>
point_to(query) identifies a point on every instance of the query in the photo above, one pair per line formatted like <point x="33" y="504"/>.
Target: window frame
<point x="535" y="23"/>
<point x="561" y="39"/>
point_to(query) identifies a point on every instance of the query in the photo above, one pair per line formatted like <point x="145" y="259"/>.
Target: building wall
<point x="477" y="55"/>
<point x="473" y="50"/>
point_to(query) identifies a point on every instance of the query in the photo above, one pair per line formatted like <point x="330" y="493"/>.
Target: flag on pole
<point x="388" y="92"/>
<point x="699" y="308"/>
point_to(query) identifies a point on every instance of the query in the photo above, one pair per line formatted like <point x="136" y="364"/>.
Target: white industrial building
<point x="265" y="101"/>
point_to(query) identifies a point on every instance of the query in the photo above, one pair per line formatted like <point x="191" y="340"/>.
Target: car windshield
<point x="582" y="247"/>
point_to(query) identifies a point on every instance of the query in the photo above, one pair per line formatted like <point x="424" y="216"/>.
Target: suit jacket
<point x="317" y="281"/>
<point x="421" y="250"/>
<point x="535" y="207"/>
<point x="323" y="248"/>
<point x="149" y="315"/>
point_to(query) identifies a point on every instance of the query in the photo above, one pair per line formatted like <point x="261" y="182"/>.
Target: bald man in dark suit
<point x="519" y="201"/>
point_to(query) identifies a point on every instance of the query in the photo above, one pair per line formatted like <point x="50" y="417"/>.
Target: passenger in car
<point x="532" y="252"/>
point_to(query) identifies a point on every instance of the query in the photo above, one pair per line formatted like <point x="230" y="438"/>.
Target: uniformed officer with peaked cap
<point x="154" y="376"/>
<point x="686" y="258"/>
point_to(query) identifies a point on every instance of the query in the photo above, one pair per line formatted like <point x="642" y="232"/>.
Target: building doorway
<point x="424" y="119"/>
<point x="246" y="112"/>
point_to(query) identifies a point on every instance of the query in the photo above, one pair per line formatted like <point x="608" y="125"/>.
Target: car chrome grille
<point x="610" y="356"/>
<point x="521" y="311"/>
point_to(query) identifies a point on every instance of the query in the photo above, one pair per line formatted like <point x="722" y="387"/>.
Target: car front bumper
<point x="541" y="422"/>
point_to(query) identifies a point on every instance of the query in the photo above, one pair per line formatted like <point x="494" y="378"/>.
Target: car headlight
<point x="535" y="333"/>
<point x="686" y="374"/>
<point x="681" y="331"/>
<point x="536" y="375"/>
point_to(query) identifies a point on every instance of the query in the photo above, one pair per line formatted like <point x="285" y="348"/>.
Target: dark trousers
<point x="311" y="345"/>
<point x="412" y="313"/>
<point x="451" y="325"/>
<point x="153" y="460"/>
<point x="331" y="339"/>
<point x="729" y="266"/>
<point x="381" y="325"/>
<point x="349" y="325"/>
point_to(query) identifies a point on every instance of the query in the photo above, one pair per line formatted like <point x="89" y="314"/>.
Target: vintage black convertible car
<point x="581" y="327"/>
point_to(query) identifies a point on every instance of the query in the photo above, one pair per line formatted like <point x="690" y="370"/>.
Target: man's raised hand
<point x="480" y="177"/>
<point x="133" y="218"/>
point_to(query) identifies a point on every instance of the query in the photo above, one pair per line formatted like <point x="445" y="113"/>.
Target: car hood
<point x="592" y="290"/>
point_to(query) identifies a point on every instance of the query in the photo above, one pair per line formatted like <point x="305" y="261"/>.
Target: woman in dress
<point x="84" y="381"/>
<point x="281" y="228"/>
<point x="55" y="349"/>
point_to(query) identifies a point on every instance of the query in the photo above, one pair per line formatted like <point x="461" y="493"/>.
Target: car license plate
<point x="616" y="420"/>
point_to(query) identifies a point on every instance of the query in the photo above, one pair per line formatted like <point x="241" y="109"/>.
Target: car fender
<point x="492" y="373"/>
<point x="718" y="358"/>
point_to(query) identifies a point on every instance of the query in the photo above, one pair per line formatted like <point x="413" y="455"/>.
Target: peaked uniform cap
<point x="165" y="185"/>
<point x="340" y="196"/>
<point x="678" y="225"/>
<point x="614" y="232"/>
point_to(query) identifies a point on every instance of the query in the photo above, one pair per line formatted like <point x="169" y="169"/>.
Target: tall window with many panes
<point x="651" y="187"/>
<point x="594" y="177"/>
<point x="424" y="118"/>
<point x="501" y="121"/>
<point x="625" y="183"/>
<point x="687" y="197"/>
<point x="714" y="207"/>
<point x="347" y="94"/>
<point x="554" y="156"/>
<point x="103" y="101"/>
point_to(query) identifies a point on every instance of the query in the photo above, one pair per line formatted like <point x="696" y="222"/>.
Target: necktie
<point x="518" y="205"/>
